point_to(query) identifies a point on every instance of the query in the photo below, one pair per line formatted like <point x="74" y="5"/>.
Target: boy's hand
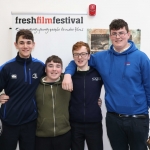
<point x="99" y="102"/>
<point x="148" y="142"/>
<point x="4" y="98"/>
<point x="67" y="83"/>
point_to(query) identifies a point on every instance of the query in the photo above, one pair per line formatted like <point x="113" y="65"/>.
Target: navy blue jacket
<point x="19" y="78"/>
<point x="84" y="98"/>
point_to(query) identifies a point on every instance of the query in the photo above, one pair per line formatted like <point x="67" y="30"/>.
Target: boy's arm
<point x="92" y="60"/>
<point x="67" y="81"/>
<point x="70" y="70"/>
<point x="3" y="78"/>
<point x="145" y="71"/>
<point x="3" y="97"/>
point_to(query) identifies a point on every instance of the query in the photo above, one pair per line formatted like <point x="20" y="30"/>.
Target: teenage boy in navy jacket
<point x="19" y="78"/>
<point x="85" y="114"/>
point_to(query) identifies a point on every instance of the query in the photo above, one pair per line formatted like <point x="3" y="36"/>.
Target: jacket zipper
<point x="25" y="71"/>
<point x="84" y="98"/>
<point x="53" y="110"/>
<point x="29" y="76"/>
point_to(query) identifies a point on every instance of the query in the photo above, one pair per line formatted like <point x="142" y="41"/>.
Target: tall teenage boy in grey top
<point x="125" y="71"/>
<point x="19" y="78"/>
<point x="85" y="114"/>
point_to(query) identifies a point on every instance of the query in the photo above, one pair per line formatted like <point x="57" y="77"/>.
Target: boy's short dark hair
<point x="117" y="24"/>
<point x="25" y="33"/>
<point x="55" y="59"/>
<point x="79" y="44"/>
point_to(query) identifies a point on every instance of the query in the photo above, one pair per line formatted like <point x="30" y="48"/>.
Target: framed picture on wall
<point x="136" y="37"/>
<point x="98" y="39"/>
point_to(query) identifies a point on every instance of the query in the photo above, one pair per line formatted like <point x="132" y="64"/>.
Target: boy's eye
<point x="28" y="42"/>
<point x="25" y="43"/>
<point x="58" y="66"/>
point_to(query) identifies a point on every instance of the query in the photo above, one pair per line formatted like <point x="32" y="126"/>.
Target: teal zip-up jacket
<point x="126" y="78"/>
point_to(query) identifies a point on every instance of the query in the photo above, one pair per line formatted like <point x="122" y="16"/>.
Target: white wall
<point x="135" y="12"/>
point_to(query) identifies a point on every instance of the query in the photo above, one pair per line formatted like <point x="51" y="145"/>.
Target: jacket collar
<point x="23" y="60"/>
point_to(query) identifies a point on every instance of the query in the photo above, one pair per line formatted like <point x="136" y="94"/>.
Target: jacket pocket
<point x="126" y="104"/>
<point x="140" y="98"/>
<point x="62" y="125"/>
<point x="45" y="127"/>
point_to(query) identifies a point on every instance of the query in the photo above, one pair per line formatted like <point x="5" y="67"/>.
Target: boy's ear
<point x="129" y="34"/>
<point x="33" y="43"/>
<point x="15" y="44"/>
<point x="89" y="55"/>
